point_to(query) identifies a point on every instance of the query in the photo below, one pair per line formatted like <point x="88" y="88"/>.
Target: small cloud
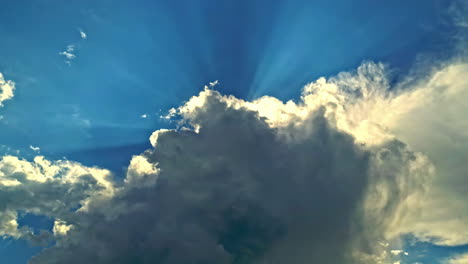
<point x="144" y="116"/>
<point x="61" y="228"/>
<point x="6" y="89"/>
<point x="172" y="112"/>
<point x="83" y="34"/>
<point x="384" y="244"/>
<point x="35" y="149"/>
<point x="68" y="53"/>
<point x="397" y="252"/>
<point x="213" y="84"/>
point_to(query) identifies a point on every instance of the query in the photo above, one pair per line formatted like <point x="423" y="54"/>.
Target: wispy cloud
<point x="69" y="53"/>
<point x="83" y="34"/>
<point x="213" y="84"/>
<point x="35" y="149"/>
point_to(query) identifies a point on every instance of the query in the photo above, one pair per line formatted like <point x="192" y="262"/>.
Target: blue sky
<point x="142" y="58"/>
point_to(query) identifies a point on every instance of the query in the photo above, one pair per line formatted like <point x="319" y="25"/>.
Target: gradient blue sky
<point x="144" y="57"/>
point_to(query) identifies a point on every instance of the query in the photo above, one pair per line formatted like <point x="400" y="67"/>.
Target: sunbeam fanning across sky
<point x="234" y="132"/>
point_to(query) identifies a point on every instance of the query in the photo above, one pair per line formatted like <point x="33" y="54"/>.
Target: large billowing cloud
<point x="257" y="182"/>
<point x="333" y="178"/>
<point x="436" y="124"/>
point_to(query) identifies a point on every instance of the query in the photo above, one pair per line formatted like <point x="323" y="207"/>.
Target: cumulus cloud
<point x="435" y="123"/>
<point x="42" y="187"/>
<point x="7" y="89"/>
<point x="333" y="178"/>
<point x="242" y="183"/>
<point x="429" y="114"/>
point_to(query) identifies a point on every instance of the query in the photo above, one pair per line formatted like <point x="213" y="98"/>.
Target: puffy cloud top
<point x="42" y="187"/>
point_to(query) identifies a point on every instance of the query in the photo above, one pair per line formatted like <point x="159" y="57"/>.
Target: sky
<point x="221" y="131"/>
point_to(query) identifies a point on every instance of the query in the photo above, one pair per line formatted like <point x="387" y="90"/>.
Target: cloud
<point x="35" y="149"/>
<point x="435" y="123"/>
<point x="460" y="259"/>
<point x="7" y="89"/>
<point x="68" y="54"/>
<point x="333" y="178"/>
<point x="240" y="183"/>
<point x="42" y="187"/>
<point x="83" y="34"/>
<point x="213" y="84"/>
<point x="397" y="252"/>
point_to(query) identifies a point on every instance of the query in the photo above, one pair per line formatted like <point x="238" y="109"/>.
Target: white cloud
<point x="435" y="123"/>
<point x="69" y="54"/>
<point x="154" y="137"/>
<point x="460" y="259"/>
<point x="35" y="149"/>
<point x="171" y="113"/>
<point x="61" y="228"/>
<point x="46" y="188"/>
<point x="141" y="172"/>
<point x="397" y="252"/>
<point x="7" y="89"/>
<point x="213" y="84"/>
<point x="83" y="34"/>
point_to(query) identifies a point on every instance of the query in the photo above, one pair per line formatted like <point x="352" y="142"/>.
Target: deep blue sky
<point x="144" y="57"/>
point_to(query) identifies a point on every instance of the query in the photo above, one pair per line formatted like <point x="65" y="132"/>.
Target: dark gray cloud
<point x="238" y="190"/>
